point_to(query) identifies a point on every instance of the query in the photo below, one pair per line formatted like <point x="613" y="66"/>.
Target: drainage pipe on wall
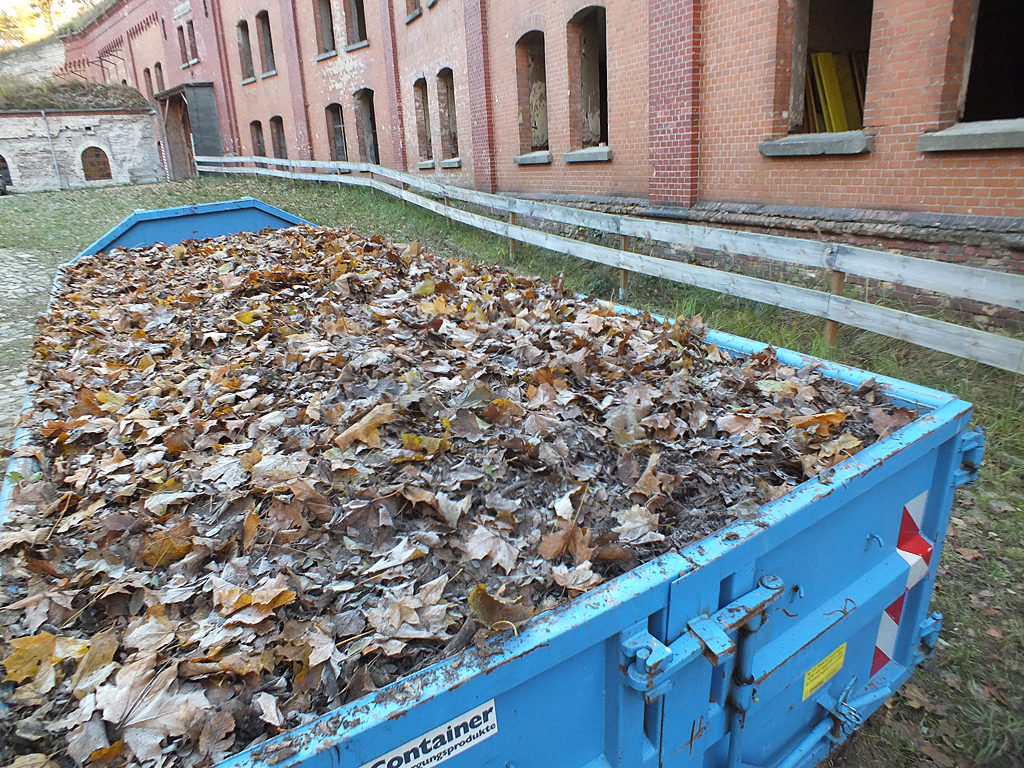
<point x="53" y="152"/>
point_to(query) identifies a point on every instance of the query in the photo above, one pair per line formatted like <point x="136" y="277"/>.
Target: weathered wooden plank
<point x="956" y="280"/>
<point x="989" y="348"/>
<point x="782" y="295"/>
<point x="960" y="280"/>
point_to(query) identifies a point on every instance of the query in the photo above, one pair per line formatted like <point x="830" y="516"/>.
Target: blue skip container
<point x="762" y="646"/>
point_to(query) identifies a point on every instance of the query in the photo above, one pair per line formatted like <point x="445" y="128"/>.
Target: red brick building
<point x="866" y="118"/>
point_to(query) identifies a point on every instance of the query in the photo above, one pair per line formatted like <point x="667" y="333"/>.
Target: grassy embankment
<point x="964" y="707"/>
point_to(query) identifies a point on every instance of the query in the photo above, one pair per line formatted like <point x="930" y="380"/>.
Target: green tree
<point x="11" y="31"/>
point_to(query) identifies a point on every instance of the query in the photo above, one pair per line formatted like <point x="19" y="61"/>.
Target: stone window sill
<point x="810" y="144"/>
<point x="588" y="155"/>
<point x="425" y="165"/>
<point x="980" y="135"/>
<point x="540" y="157"/>
<point x="357" y="45"/>
<point x="249" y="80"/>
<point x="452" y="162"/>
<point x="271" y="73"/>
<point x="431" y="3"/>
<point x="327" y="55"/>
<point x="413" y="16"/>
<point x="190" y="63"/>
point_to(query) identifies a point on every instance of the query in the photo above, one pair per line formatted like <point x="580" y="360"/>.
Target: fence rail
<point x="953" y="280"/>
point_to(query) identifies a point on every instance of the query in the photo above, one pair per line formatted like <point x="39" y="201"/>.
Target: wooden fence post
<point x="624" y="273"/>
<point x="511" y="241"/>
<point x="447" y="204"/>
<point x="838" y="281"/>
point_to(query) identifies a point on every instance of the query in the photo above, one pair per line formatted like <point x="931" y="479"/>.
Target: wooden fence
<point x="838" y="259"/>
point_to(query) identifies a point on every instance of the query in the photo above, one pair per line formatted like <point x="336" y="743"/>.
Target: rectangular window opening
<point x="259" y="149"/>
<point x="277" y="140"/>
<point x="192" y="47"/>
<point x="587" y="40"/>
<point x="182" y="47"/>
<point x="366" y="127"/>
<point x="325" y="25"/>
<point x="355" y="21"/>
<point x="266" y="42"/>
<point x="994" y="70"/>
<point x="446" y="115"/>
<point x="831" y="41"/>
<point x="245" y="51"/>
<point x="336" y="133"/>
<point x="533" y="92"/>
<point x="422" y="107"/>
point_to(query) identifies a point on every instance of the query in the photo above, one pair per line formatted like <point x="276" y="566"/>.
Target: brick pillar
<point x="673" y="83"/>
<point x="296" y="81"/>
<point x="479" y="94"/>
<point x="396" y="123"/>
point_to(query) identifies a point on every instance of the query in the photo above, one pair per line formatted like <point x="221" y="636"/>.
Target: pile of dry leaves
<point x="281" y="469"/>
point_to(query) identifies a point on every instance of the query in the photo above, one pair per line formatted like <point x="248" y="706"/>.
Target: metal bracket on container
<point x="650" y="663"/>
<point x="929" y="634"/>
<point x="971" y="447"/>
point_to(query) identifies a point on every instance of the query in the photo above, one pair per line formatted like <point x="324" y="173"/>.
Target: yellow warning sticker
<point x="824" y="670"/>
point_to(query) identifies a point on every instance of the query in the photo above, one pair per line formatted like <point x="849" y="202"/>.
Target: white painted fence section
<point x="955" y="280"/>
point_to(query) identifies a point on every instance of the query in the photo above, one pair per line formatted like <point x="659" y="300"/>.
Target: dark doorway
<point x="190" y="125"/>
<point x="366" y="127"/>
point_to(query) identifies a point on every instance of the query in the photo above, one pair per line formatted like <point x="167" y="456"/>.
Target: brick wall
<point x="913" y="79"/>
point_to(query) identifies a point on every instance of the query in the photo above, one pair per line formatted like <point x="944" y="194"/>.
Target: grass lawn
<point x="964" y="707"/>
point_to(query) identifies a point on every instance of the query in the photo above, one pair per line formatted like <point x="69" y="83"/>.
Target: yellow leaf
<point x="425" y="288"/>
<point x="112" y="401"/>
<point x="822" y="422"/>
<point x="29" y="653"/>
<point x="423" y="444"/>
<point x="246" y="318"/>
<point x="166" y="547"/>
<point x="365" y="430"/>
<point x="35" y="760"/>
<point x="250" y="530"/>
<point x="436" y="306"/>
<point x="145" y="363"/>
<point x="97" y="661"/>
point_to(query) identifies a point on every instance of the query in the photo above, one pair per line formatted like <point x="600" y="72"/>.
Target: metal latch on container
<point x="971" y="447"/>
<point x="651" y="663"/>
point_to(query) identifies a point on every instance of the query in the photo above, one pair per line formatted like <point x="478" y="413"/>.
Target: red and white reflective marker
<point x="917" y="551"/>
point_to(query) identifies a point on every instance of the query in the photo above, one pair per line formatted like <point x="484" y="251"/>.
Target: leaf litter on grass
<point x="282" y="469"/>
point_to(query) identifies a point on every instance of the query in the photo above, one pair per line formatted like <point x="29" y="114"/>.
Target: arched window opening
<point x="182" y="45"/>
<point x="532" y="87"/>
<point x="355" y="21"/>
<point x="245" y="50"/>
<point x="366" y="126"/>
<point x="259" y="147"/>
<point x="192" y="47"/>
<point x="422" y="106"/>
<point x="95" y="164"/>
<point x="147" y="78"/>
<point x="5" y="172"/>
<point x="324" y="17"/>
<point x="159" y="72"/>
<point x="588" y="77"/>
<point x="446" y="115"/>
<point x="266" y="42"/>
<point x="277" y="140"/>
<point x="336" y="132"/>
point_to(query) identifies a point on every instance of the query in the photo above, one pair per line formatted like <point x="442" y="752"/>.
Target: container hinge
<point x="845" y="717"/>
<point x="971" y="447"/>
<point x="650" y="664"/>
